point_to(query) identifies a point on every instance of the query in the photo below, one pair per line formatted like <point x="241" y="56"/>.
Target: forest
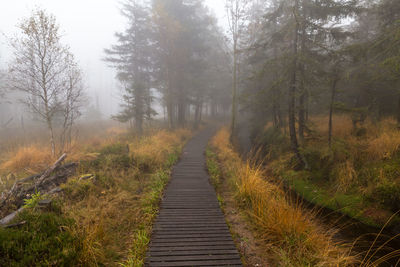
<point x="303" y="101"/>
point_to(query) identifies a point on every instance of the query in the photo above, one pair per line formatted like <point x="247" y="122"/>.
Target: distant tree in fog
<point x="176" y="48"/>
<point x="236" y="13"/>
<point x="2" y="87"/>
<point x="188" y="45"/>
<point x="131" y="57"/>
<point x="46" y="71"/>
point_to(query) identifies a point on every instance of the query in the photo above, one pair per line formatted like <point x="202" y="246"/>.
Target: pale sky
<point x="88" y="27"/>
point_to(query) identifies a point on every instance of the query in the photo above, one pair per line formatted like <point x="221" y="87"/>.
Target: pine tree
<point x="133" y="60"/>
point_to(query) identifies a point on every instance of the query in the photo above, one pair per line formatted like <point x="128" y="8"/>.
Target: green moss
<point x="351" y="205"/>
<point x="44" y="240"/>
<point x="388" y="194"/>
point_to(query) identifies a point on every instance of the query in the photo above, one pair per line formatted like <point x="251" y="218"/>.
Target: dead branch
<point x="51" y="169"/>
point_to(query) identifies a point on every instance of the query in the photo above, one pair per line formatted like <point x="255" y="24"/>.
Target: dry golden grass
<point x="342" y="125"/>
<point x="290" y="231"/>
<point x="111" y="215"/>
<point x="153" y="150"/>
<point x="386" y="142"/>
<point x="381" y="140"/>
<point x="33" y="158"/>
<point x="346" y="176"/>
<point x="113" y="212"/>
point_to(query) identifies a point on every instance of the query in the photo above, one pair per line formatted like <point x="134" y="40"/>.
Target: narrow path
<point x="190" y="229"/>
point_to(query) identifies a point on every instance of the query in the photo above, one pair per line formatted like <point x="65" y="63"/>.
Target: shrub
<point x="34" y="200"/>
<point x="273" y="142"/>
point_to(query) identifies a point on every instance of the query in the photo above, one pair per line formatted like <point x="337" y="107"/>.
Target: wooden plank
<point x="194" y="257"/>
<point x="193" y="252"/>
<point x="177" y="239"/>
<point x="197" y="263"/>
<point x="191" y="244"/>
<point x="192" y="248"/>
<point x="191" y="235"/>
<point x="191" y="232"/>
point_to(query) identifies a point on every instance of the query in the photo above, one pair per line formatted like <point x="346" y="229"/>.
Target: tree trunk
<point x="302" y="118"/>
<point x="139" y="109"/>
<point x="333" y="93"/>
<point x="292" y="93"/>
<point x="234" y="88"/>
<point x="201" y="112"/>
<point x="197" y="115"/>
<point x="51" y="134"/>
<point x="139" y="124"/>
<point x="302" y="86"/>
<point x="398" y="111"/>
<point x="170" y="109"/>
<point x="275" y="115"/>
<point x="181" y="111"/>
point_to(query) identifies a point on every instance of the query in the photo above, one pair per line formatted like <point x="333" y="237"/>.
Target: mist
<point x="88" y="27"/>
<point x="199" y="133"/>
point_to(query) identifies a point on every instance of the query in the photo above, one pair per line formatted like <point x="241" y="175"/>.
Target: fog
<point x="88" y="27"/>
<point x="301" y="95"/>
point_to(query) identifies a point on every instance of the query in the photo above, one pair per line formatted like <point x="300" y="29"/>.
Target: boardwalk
<point x="190" y="229"/>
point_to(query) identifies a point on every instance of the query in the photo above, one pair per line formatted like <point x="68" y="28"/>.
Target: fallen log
<point x="15" y="224"/>
<point x="46" y="182"/>
<point x="6" y="220"/>
<point x="55" y="190"/>
<point x="19" y="184"/>
<point x="47" y="185"/>
<point x="50" y="170"/>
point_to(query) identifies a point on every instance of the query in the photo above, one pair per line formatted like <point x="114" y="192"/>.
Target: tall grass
<point x="291" y="232"/>
<point x="32" y="158"/>
<point x="115" y="214"/>
<point x="112" y="213"/>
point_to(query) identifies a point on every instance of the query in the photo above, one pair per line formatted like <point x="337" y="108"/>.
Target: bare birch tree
<point x="236" y="12"/>
<point x="45" y="70"/>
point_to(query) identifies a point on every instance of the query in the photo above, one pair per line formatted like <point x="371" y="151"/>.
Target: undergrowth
<point x="106" y="210"/>
<point x="289" y="232"/>
<point x="357" y="175"/>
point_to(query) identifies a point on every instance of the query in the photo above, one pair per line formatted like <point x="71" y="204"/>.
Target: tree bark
<point x="398" y="111"/>
<point x="181" y="110"/>
<point x="333" y="93"/>
<point x="302" y="87"/>
<point x="234" y="88"/>
<point x="292" y="92"/>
